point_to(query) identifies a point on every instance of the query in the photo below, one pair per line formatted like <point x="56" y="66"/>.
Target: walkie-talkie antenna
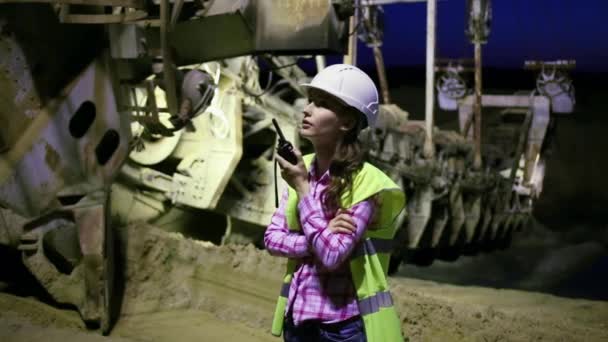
<point x="278" y="129"/>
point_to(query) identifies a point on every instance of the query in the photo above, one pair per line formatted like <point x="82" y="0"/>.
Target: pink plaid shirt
<point x="322" y="287"/>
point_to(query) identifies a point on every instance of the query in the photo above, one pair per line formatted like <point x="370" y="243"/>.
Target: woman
<point x="336" y="221"/>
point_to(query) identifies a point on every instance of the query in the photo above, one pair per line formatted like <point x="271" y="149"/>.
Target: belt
<point x="338" y="326"/>
<point x="330" y="327"/>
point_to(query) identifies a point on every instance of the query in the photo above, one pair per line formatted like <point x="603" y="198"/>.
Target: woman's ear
<point x="347" y="125"/>
<point x="348" y="122"/>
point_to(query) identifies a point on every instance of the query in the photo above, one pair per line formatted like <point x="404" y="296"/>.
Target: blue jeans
<point x="350" y="330"/>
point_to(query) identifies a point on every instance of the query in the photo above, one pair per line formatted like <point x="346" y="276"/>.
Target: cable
<point x="276" y="186"/>
<point x="220" y="129"/>
<point x="287" y="65"/>
<point x="359" y="20"/>
<point x="250" y="93"/>
<point x="269" y="61"/>
<point x="356" y="27"/>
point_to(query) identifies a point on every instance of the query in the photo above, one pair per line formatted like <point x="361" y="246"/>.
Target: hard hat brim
<point x="339" y="98"/>
<point x="308" y="86"/>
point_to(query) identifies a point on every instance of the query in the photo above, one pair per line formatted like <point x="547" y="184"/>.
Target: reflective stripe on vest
<point x="373" y="303"/>
<point x="373" y="246"/>
<point x="285" y="289"/>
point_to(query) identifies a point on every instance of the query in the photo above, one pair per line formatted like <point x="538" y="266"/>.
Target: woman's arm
<point x="279" y="240"/>
<point x="331" y="249"/>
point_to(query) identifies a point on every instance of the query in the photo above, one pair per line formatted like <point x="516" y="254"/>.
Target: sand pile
<point x="240" y="283"/>
<point x="185" y="290"/>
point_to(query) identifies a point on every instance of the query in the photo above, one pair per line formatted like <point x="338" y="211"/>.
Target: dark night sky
<point x="520" y="30"/>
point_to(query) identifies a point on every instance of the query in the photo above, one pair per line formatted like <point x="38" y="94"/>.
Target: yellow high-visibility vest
<point x="368" y="261"/>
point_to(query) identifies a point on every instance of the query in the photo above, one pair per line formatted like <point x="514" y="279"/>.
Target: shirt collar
<point x="324" y="179"/>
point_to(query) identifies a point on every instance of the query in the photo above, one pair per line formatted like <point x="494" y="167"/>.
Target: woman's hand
<point x="342" y="223"/>
<point x="295" y="175"/>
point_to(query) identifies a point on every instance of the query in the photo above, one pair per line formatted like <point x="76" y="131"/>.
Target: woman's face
<point x="324" y="119"/>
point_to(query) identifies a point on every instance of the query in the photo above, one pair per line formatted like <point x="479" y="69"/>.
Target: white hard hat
<point x="352" y="86"/>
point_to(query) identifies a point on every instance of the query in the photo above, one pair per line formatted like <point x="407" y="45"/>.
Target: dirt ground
<point x="178" y="289"/>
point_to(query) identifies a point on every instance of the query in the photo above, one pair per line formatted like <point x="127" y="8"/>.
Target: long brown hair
<point x="349" y="159"/>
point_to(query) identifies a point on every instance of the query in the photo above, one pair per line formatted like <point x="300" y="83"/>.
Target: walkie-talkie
<point x="285" y="148"/>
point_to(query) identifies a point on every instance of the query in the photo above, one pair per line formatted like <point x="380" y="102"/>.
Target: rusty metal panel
<point x="73" y="146"/>
<point x="296" y="25"/>
<point x="236" y="28"/>
<point x="19" y="94"/>
<point x="213" y="37"/>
